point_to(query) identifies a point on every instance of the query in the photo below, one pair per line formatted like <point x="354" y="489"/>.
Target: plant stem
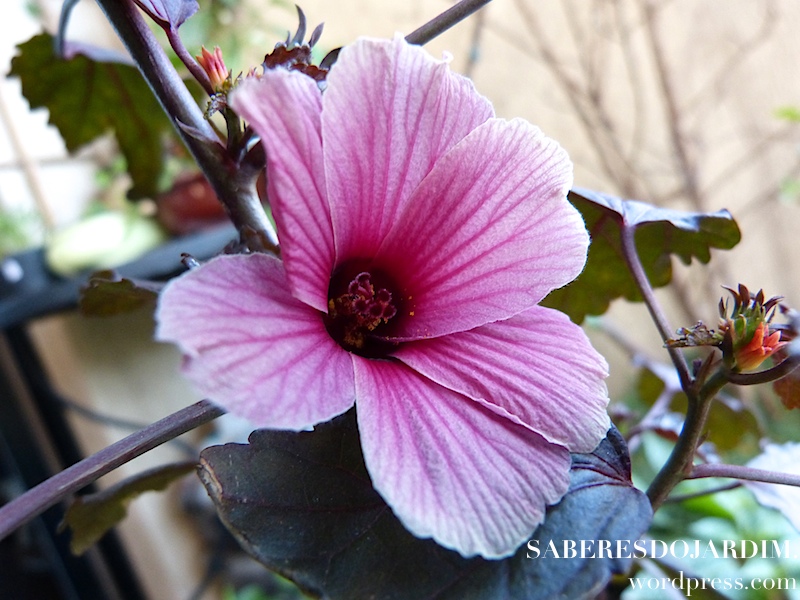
<point x="699" y="401"/>
<point x="637" y="270"/>
<point x="715" y="490"/>
<point x="234" y="187"/>
<point x="782" y="369"/>
<point x="443" y="22"/>
<point x="678" y="465"/>
<point x="187" y="59"/>
<point x="38" y="499"/>
<point x="743" y="473"/>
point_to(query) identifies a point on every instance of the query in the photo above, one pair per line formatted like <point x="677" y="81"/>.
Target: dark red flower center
<point x="360" y="304"/>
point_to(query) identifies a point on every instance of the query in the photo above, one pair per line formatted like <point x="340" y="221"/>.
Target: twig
<point x="637" y="270"/>
<point x="38" y="499"/>
<point x="743" y="473"/>
<point x="234" y="186"/>
<point x="116" y="422"/>
<point x="782" y="369"/>
<point x="699" y="494"/>
<point x="188" y="60"/>
<point x="594" y="119"/>
<point x="443" y="22"/>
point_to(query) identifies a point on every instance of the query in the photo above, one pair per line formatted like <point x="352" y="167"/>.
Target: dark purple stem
<point x="640" y="277"/>
<point x="38" y="499"/>
<point x="445" y="21"/>
<point x="782" y="369"/>
<point x="234" y="185"/>
<point x="743" y="473"/>
<point x="187" y="59"/>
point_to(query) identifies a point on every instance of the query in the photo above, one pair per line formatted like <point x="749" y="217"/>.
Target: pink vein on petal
<point x="450" y="469"/>
<point x="252" y="347"/>
<point x="537" y="368"/>
<point x="381" y="140"/>
<point x="284" y="109"/>
<point x="488" y="233"/>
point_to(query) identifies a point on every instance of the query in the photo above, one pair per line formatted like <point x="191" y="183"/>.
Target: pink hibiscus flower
<point x="418" y="233"/>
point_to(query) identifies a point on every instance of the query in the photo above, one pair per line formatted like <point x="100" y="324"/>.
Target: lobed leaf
<point x="87" y="99"/>
<point x="304" y="506"/>
<point x="659" y="233"/>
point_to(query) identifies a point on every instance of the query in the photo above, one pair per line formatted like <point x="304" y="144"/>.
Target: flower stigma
<point x="358" y="311"/>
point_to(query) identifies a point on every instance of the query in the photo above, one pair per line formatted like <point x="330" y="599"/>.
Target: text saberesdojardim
<point x="738" y="549"/>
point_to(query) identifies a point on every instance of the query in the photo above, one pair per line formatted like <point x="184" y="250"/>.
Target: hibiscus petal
<point x="537" y="368"/>
<point x="451" y="469"/>
<point x="252" y="347"/>
<point x="487" y="234"/>
<point x="390" y="111"/>
<point x="284" y="109"/>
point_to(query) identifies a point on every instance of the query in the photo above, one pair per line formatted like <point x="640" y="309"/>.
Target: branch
<point x="679" y="463"/>
<point x="235" y="187"/>
<point x="743" y="473"/>
<point x="188" y="60"/>
<point x="782" y="369"/>
<point x="38" y="499"/>
<point x="637" y="270"/>
<point x="699" y="494"/>
<point x="443" y="22"/>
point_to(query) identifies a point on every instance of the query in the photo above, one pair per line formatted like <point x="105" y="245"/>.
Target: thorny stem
<point x="443" y="22"/>
<point x="743" y="473"/>
<point x="38" y="499"/>
<point x="234" y="186"/>
<point x="637" y="270"/>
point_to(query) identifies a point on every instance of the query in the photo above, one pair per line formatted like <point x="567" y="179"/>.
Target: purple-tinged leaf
<point x="303" y="505"/>
<point x="660" y="233"/>
<point x="169" y="14"/>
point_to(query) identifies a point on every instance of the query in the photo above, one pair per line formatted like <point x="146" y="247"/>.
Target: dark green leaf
<point x="87" y="99"/>
<point x="660" y="233"/>
<point x="107" y="294"/>
<point x="89" y="517"/>
<point x="303" y="505"/>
